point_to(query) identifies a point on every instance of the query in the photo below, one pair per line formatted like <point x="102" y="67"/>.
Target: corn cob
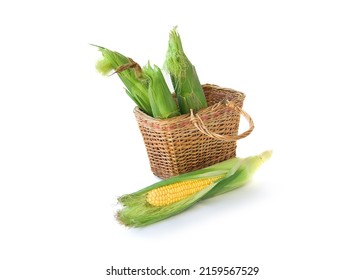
<point x="155" y="203"/>
<point x="130" y="74"/>
<point x="184" y="77"/>
<point x="169" y="194"/>
<point x="161" y="100"/>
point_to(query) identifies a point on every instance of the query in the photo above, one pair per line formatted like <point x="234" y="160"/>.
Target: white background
<point x="70" y="144"/>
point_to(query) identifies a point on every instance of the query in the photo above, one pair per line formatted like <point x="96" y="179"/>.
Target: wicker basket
<point x="189" y="142"/>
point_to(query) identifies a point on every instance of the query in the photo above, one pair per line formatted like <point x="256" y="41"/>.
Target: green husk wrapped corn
<point x="130" y="74"/>
<point x="184" y="77"/>
<point x="160" y="97"/>
<point x="174" y="195"/>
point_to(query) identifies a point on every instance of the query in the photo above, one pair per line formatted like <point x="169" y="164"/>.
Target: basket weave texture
<point x="189" y="142"/>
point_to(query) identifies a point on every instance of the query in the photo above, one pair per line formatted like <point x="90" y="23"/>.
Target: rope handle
<point x="199" y="124"/>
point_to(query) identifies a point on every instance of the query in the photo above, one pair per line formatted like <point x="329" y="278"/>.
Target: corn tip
<point x="103" y="66"/>
<point x="266" y="155"/>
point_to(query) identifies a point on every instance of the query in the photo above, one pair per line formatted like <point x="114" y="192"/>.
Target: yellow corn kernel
<point x="169" y="194"/>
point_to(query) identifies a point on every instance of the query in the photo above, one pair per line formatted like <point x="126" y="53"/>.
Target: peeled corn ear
<point x="174" y="195"/>
<point x="169" y="194"/>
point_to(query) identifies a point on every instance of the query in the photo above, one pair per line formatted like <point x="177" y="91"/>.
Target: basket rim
<point x="239" y="96"/>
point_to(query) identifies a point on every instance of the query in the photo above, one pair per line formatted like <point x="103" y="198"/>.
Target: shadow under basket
<point x="193" y="141"/>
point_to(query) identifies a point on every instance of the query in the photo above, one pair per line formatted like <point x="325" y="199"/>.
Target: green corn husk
<point x="184" y="77"/>
<point x="160" y="97"/>
<point x="137" y="212"/>
<point x="130" y="74"/>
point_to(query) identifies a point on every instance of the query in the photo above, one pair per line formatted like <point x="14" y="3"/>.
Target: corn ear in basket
<point x="174" y="195"/>
<point x="184" y="77"/>
<point x="130" y="74"/>
<point x="160" y="97"/>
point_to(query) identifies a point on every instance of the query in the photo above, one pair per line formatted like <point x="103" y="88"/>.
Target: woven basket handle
<point x="198" y="123"/>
